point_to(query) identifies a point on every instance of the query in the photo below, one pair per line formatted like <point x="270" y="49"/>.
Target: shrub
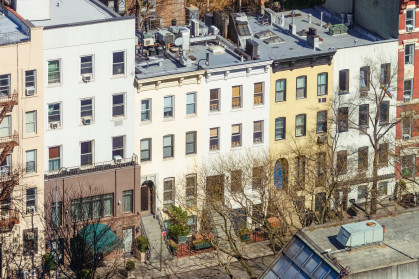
<point x="84" y="274"/>
<point x="49" y="262"/>
<point x="244" y="231"/>
<point x="173" y="244"/>
<point x="178" y="223"/>
<point x="130" y="266"/>
<point x="142" y="244"/>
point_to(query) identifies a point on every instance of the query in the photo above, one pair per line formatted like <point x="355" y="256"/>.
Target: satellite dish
<point x="179" y="41"/>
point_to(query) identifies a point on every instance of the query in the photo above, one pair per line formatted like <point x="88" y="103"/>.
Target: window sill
<point x="30" y="136"/>
<point x="117" y="118"/>
<point x="118" y="76"/>
<point x="169" y="158"/>
<point x="214" y="112"/>
<point x="343" y="92"/>
<point x="190" y="155"/>
<point x="236" y="148"/>
<point x="258" y="105"/>
<point x="305" y="98"/>
<point x="86" y="82"/>
<point x="258" y="143"/>
<point x="236" y="109"/>
<point x="191" y="116"/>
<point x="145" y="122"/>
<point x="58" y="128"/>
<point x="145" y="161"/>
<point x="168" y="119"/>
<point x="322" y="96"/>
<point x="54" y="85"/>
<point x="31" y="174"/>
<point x="30" y="96"/>
<point x="279" y="139"/>
<point x="214" y="151"/>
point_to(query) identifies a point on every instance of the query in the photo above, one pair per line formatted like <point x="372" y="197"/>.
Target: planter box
<point x="181" y="239"/>
<point x="202" y="246"/>
<point x="246" y="237"/>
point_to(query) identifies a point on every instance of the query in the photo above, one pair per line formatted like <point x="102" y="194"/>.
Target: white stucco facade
<point x="352" y="59"/>
<point x="100" y="41"/>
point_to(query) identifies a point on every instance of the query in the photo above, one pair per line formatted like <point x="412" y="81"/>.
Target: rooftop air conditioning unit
<point x="406" y="137"/>
<point x="195" y="28"/>
<point x="117" y="159"/>
<point x="409" y="28"/>
<point x="30" y="90"/>
<point x="406" y="99"/>
<point x="53" y="125"/>
<point x="86" y="120"/>
<point x="148" y="42"/>
<point x="87" y="77"/>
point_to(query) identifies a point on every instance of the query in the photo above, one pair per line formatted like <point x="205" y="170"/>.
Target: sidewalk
<point x="197" y="262"/>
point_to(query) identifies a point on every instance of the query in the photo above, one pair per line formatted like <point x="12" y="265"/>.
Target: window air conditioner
<point x="86" y="120"/>
<point x="30" y="90"/>
<point x="30" y="235"/>
<point x="53" y="125"/>
<point x="406" y="99"/>
<point x="409" y="28"/>
<point x="30" y="210"/>
<point x="117" y="159"/>
<point x="406" y="137"/>
<point x="87" y="77"/>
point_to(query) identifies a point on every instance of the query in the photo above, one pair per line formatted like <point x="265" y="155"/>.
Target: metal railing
<point x="11" y="138"/>
<point x="112" y="164"/>
<point x="13" y="37"/>
<point x="144" y="234"/>
<point x="7" y="98"/>
<point x="163" y="228"/>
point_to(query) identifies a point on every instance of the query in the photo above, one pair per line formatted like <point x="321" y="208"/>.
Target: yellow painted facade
<point x="292" y="146"/>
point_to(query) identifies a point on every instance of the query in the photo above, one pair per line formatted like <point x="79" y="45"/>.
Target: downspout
<point x="115" y="199"/>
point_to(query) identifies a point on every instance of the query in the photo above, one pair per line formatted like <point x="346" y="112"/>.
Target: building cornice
<point x="303" y="62"/>
<point x="169" y="81"/>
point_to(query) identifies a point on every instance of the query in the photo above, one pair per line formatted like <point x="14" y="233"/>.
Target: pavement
<point x="204" y="265"/>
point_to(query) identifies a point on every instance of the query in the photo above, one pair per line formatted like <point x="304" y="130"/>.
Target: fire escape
<point x="8" y="178"/>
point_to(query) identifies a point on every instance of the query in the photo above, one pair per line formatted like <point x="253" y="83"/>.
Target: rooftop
<point x="400" y="243"/>
<point x="67" y="12"/>
<point x="12" y="29"/>
<point x="275" y="43"/>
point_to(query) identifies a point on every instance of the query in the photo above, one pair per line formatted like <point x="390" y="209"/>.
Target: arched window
<point x="281" y="174"/>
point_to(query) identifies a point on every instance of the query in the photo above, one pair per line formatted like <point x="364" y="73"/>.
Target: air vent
<point x="216" y="49"/>
<point x="360" y="234"/>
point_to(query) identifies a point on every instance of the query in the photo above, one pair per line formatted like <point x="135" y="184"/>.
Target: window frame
<point x="240" y="105"/>
<point x="91" y="66"/>
<point x="147" y="111"/>
<point x="89" y="155"/>
<point x="410" y="20"/>
<point x="28" y="83"/>
<point x="34" y="170"/>
<point x="191" y="191"/>
<point x="84" y="110"/>
<point x="171" y="107"/>
<point x="31" y="198"/>
<point x="363" y="159"/>
<point x="343" y="119"/>
<point x="344" y="74"/>
<point x="283" y="129"/>
<point x="149" y="150"/>
<point x="279" y="92"/>
<point x="258" y="134"/>
<point x="361" y="192"/>
<point x="320" y="86"/>
<point x="8" y="128"/>
<point x="258" y="94"/>
<point x="299" y="126"/>
<point x="193" y="143"/>
<point x="235" y="136"/>
<point x="118" y="105"/>
<point x="363" y="116"/>
<point x="321" y="124"/>
<point x="33" y="122"/>
<point x="365" y="75"/>
<point x="50" y="114"/>
<point x="171" y="146"/>
<point x="342" y="162"/>
<point x="114" y="64"/>
<point x="299" y="89"/>
<point x="300" y="164"/>
<point x="213" y="147"/>
<point x="5" y="90"/>
<point x="410" y="91"/>
<point x="384" y="116"/>
<point x="118" y="148"/>
<point x="383" y="155"/>
<point x="130" y="195"/>
<point x="54" y="159"/>
<point x="54" y="81"/>
<point x="407" y="125"/>
<point x="385" y="73"/>
<point x="215" y="103"/>
<point x="166" y="182"/>
<point x="193" y="104"/>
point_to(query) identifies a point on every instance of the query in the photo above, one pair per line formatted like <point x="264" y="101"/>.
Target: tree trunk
<point x="374" y="190"/>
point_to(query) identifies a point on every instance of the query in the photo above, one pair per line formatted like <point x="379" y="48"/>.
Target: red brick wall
<point x="171" y="9"/>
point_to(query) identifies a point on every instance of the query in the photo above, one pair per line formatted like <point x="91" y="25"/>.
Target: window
<point x="384" y="111"/>
<point x="92" y="207"/>
<point x="146" y="110"/>
<point x="321" y="122"/>
<point x="407" y="126"/>
<point x="382" y="188"/>
<point x="363" y="120"/>
<point x="4" y="85"/>
<point x="300" y="170"/>
<point x="301" y="87"/>
<point x="280" y="128"/>
<point x="236" y="137"/>
<point x="168" y="146"/>
<point x="118" y="66"/>
<point x="343" y="81"/>
<point x="168" y="191"/>
<point x="86" y="153"/>
<point x="6" y="127"/>
<point x="6" y="165"/>
<point x="118" y="146"/>
<point x="258" y="93"/>
<point x="190" y="191"/>
<point x="30" y="82"/>
<point x="320" y="201"/>
<point x="257" y="131"/>
<point x="31" y="198"/>
<point x="30" y="161"/>
<point x="385" y="73"/>
<point x="362" y="192"/>
<point x="118" y="105"/>
<point x="30" y="241"/>
<point x="342" y="162"/>
<point x="214" y="100"/>
<point x="30" y="122"/>
<point x="383" y="155"/>
<point x="343" y="119"/>
<point x="408" y="166"/>
<point x="168" y="107"/>
<point x="191" y="103"/>
<point x="236" y="97"/>
<point x="145" y="146"/>
<point x="407" y="91"/>
<point x="127" y="201"/>
<point x="54" y="213"/>
<point x="322" y="84"/>
<point x="86" y="108"/>
<point x="236" y="181"/>
<point x="257" y="178"/>
<point x="214" y="139"/>
<point x="300" y="125"/>
<point x="86" y="65"/>
<point x="410" y="19"/>
<point x="54" y="73"/>
<point x="190" y="142"/>
<point x="321" y="169"/>
<point x="364" y="78"/>
<point x="54" y="114"/>
<point x="54" y="158"/>
<point x="362" y="159"/>
<point x="281" y="90"/>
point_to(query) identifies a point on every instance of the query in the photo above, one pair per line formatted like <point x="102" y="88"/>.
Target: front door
<point x="145" y="199"/>
<point x="127" y="235"/>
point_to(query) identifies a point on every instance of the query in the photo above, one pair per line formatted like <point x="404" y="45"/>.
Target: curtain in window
<point x="127" y="201"/>
<point x="5" y="127"/>
<point x="107" y="206"/>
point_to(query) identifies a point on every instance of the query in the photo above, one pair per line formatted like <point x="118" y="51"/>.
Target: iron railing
<point x="9" y="139"/>
<point x="163" y="228"/>
<point x="8" y="218"/>
<point x="144" y="234"/>
<point x="7" y="98"/>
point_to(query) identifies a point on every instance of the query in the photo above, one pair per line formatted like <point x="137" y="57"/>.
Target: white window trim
<point x="61" y="73"/>
<point x="124" y="104"/>
<point x="125" y="63"/>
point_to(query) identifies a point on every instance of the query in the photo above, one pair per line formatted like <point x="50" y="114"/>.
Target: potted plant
<point x="201" y="244"/>
<point x="129" y="266"/>
<point x="142" y="247"/>
<point x="244" y="234"/>
<point x="173" y="245"/>
<point x="178" y="224"/>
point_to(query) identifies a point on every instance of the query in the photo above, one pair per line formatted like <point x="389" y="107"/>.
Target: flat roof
<point x="67" y="12"/>
<point x="291" y="46"/>
<point x="400" y="243"/>
<point x="10" y="30"/>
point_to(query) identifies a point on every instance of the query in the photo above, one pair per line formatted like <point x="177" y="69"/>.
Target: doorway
<point x="127" y="236"/>
<point x="147" y="197"/>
